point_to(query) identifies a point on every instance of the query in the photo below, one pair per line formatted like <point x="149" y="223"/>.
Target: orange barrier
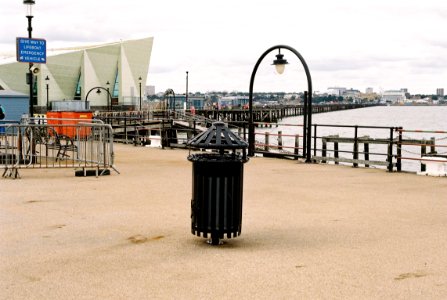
<point x="73" y="118"/>
<point x="54" y="119"/>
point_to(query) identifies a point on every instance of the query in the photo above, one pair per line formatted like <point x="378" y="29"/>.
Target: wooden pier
<point x="273" y="113"/>
<point x="366" y="141"/>
<point x="129" y="126"/>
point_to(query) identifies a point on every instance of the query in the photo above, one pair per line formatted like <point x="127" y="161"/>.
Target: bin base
<point x="215" y="238"/>
<point x="214" y="242"/>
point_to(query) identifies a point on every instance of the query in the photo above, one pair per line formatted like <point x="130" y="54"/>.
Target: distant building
<point x="149" y="90"/>
<point x="393" y="96"/>
<point x="179" y="101"/>
<point x="440" y="92"/>
<point x="15" y="104"/>
<point x="233" y="101"/>
<point x="292" y="96"/>
<point x="351" y="93"/>
<point x="336" y="91"/>
<point x="405" y="91"/>
<point x="369" y="90"/>
<point x="75" y="72"/>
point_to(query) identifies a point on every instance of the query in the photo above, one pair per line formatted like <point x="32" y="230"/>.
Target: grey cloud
<point x="439" y="43"/>
<point x="339" y="64"/>
<point x="161" y="69"/>
<point x="77" y="36"/>
<point x="433" y="64"/>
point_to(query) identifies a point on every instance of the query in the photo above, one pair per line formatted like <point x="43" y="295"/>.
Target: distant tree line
<point x="327" y="98"/>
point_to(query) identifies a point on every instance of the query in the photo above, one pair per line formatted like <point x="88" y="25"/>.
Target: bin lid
<point x="218" y="136"/>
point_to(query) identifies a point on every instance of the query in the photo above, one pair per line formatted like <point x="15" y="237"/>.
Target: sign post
<point x="31" y="50"/>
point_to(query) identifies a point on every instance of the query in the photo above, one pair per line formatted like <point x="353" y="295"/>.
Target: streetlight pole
<point x="186" y="101"/>
<point x="29" y="15"/>
<point x="139" y="81"/>
<point x="280" y="63"/>
<point x="47" y="79"/>
<point x="108" y="93"/>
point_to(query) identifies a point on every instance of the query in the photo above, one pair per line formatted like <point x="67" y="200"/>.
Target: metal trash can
<point x="217" y="187"/>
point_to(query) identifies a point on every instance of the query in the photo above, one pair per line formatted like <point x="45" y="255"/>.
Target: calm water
<point x="425" y="118"/>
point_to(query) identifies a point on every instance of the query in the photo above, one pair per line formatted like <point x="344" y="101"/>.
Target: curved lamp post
<point x="280" y="63"/>
<point x="98" y="91"/>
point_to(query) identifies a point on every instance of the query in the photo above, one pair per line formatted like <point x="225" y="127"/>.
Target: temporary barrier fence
<point x="88" y="147"/>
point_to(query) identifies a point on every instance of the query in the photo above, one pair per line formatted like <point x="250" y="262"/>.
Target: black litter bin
<point x="217" y="187"/>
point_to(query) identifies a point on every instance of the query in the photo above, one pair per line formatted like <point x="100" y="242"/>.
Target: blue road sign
<point x="31" y="50"/>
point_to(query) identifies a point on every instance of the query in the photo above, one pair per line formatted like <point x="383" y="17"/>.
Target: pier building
<point x="70" y="73"/>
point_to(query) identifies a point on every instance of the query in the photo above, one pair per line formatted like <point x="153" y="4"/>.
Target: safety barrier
<point x="431" y="152"/>
<point x="392" y="148"/>
<point x="283" y="143"/>
<point x="86" y="147"/>
<point x="155" y="128"/>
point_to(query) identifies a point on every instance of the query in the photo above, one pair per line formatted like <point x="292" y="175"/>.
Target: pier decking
<point x="309" y="231"/>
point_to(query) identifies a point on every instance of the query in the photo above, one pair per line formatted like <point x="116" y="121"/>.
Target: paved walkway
<point x="309" y="231"/>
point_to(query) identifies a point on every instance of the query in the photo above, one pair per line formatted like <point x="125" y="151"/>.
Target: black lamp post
<point x="186" y="98"/>
<point x="139" y="81"/>
<point x="108" y="92"/>
<point x="280" y="63"/>
<point x="47" y="79"/>
<point x="29" y="15"/>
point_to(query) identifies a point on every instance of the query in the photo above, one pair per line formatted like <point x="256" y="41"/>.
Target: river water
<point x="421" y="118"/>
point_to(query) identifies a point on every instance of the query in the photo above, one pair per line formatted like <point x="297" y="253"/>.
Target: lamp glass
<point x="280" y="68"/>
<point x="29" y="7"/>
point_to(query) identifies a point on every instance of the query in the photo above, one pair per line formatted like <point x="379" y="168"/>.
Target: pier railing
<point x="422" y="146"/>
<point x="392" y="148"/>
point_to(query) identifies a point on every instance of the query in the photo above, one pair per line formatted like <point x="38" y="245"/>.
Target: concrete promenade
<point x="309" y="232"/>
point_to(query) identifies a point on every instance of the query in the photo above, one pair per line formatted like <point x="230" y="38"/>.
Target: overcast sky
<point x="383" y="44"/>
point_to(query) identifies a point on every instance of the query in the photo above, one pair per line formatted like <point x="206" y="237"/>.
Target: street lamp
<point x="108" y="92"/>
<point x="47" y="79"/>
<point x="98" y="91"/>
<point x="29" y="15"/>
<point x="186" y="98"/>
<point x="139" y="81"/>
<point x="280" y="63"/>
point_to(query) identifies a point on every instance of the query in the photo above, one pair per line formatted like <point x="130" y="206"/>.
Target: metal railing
<point x="284" y="142"/>
<point x="84" y="146"/>
<point x="391" y="148"/>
